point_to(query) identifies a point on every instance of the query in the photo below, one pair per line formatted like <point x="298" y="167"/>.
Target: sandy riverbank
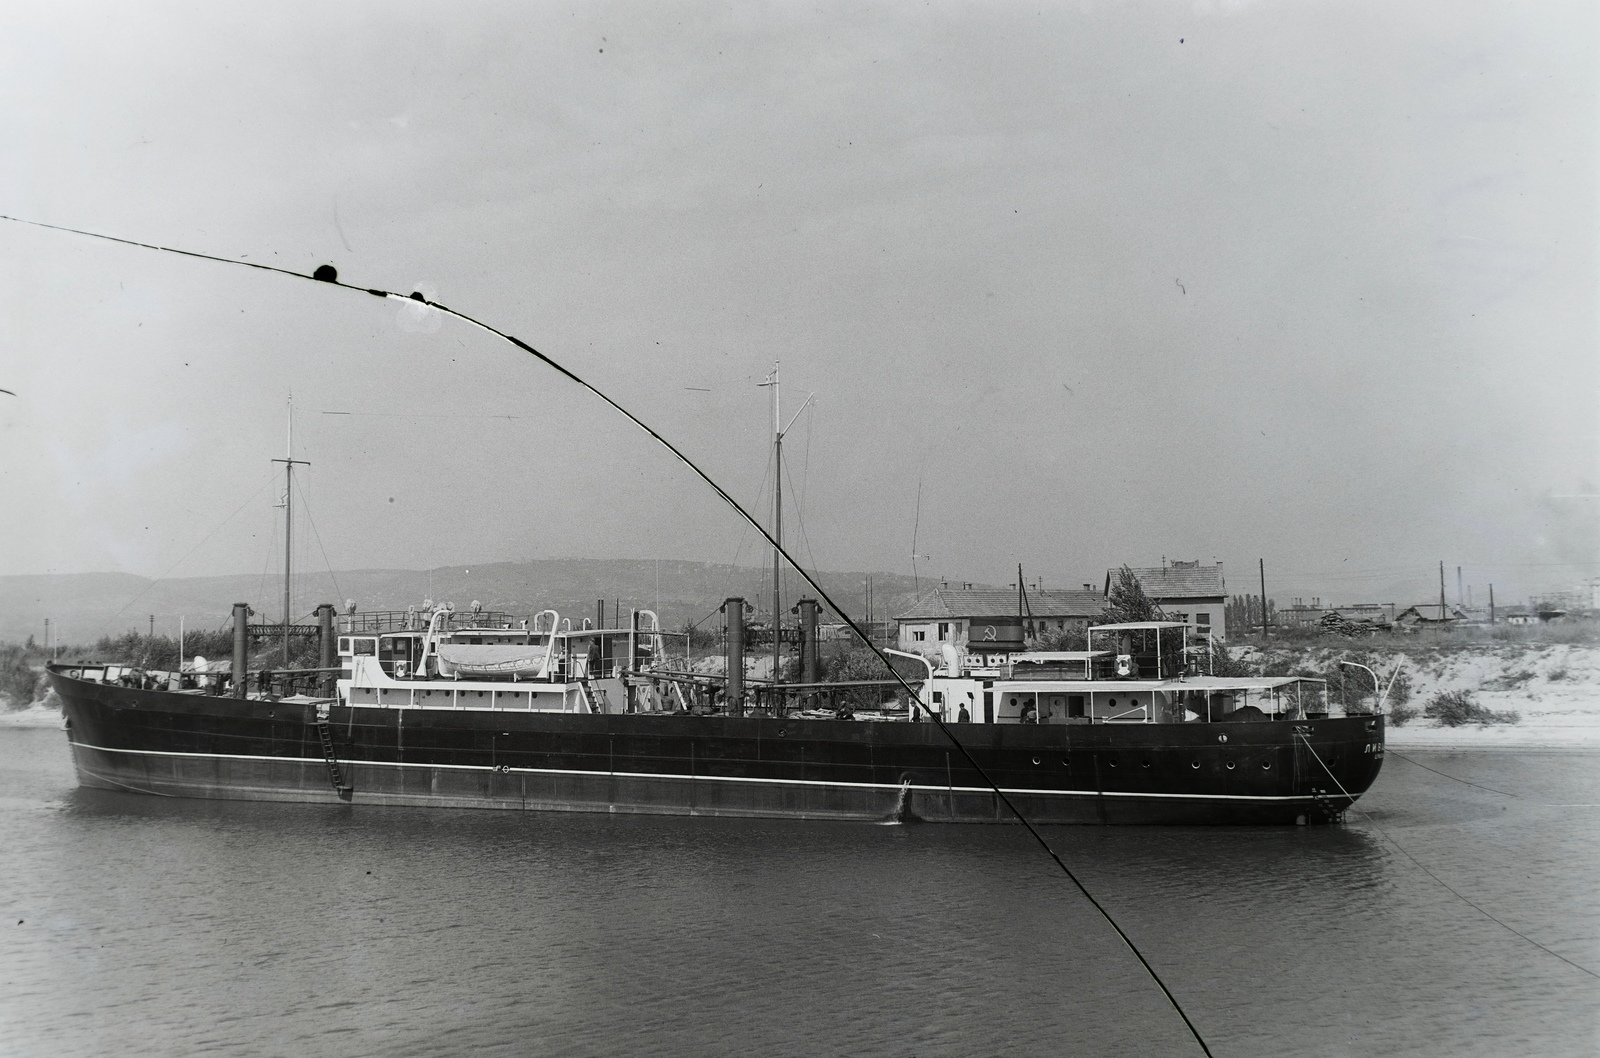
<point x="1554" y="689"/>
<point x="39" y="714"/>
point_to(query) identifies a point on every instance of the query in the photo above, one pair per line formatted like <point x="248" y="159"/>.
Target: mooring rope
<point x="1453" y="778"/>
<point x="328" y="274"/>
<point x="1453" y="891"/>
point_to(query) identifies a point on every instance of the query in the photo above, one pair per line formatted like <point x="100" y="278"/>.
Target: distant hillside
<point x="82" y="607"/>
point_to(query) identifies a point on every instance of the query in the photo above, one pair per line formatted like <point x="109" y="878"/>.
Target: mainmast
<point x="777" y="521"/>
<point x="778" y="432"/>
<point x="289" y="463"/>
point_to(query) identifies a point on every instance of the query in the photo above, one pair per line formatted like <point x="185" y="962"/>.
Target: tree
<point x="1223" y="663"/>
<point x="1127" y="601"/>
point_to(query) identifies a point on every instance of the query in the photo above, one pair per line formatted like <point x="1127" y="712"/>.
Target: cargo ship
<point x="446" y="708"/>
<point x="438" y="707"/>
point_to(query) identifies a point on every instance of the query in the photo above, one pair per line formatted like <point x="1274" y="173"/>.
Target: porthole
<point x="1266" y="765"/>
<point x="1144" y="764"/>
<point x="1036" y="760"/>
<point x="1065" y="763"/>
<point x="782" y="733"/>
<point x="1231" y="765"/>
<point x="1194" y="764"/>
<point x="1222" y="738"/>
<point x="1112" y="763"/>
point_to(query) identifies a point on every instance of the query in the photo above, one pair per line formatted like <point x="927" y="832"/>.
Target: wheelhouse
<point x="1136" y="672"/>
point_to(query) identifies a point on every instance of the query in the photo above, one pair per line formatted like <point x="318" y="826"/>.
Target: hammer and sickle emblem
<point x="988" y="633"/>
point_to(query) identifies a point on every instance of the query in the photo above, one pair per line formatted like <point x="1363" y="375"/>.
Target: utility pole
<point x="152" y="634"/>
<point x="1263" y="564"/>
<point x="1491" y="604"/>
<point x="1441" y="590"/>
<point x="1460" y="598"/>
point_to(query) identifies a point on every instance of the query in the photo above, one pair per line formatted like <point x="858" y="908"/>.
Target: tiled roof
<point x="1178" y="582"/>
<point x="950" y="604"/>
<point x="1429" y="611"/>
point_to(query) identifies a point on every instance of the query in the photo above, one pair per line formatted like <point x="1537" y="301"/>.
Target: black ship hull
<point x="192" y="745"/>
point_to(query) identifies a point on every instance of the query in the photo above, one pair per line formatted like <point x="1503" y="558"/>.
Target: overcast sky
<point x="1310" y="282"/>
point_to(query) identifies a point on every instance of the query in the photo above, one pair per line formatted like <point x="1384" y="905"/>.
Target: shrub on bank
<point x="1224" y="663"/>
<point x="1401" y="715"/>
<point x="19" y="681"/>
<point x="852" y="661"/>
<point x="161" y="652"/>
<point x="1456" y="708"/>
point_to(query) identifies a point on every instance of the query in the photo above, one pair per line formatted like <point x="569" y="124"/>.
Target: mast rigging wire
<point x="800" y="522"/>
<point x="916" y="523"/>
<point x="328" y="274"/>
<point x="306" y="504"/>
<point x="266" y="563"/>
<point x="141" y="593"/>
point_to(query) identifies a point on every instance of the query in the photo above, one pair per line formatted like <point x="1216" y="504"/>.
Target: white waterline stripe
<point x="508" y="770"/>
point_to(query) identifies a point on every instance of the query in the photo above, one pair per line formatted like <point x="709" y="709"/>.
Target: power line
<point x="420" y="415"/>
<point x="328" y="274"/>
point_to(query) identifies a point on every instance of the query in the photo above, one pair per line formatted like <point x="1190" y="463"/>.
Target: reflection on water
<point x="168" y="926"/>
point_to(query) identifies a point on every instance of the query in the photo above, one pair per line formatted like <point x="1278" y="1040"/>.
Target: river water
<point x="144" y="926"/>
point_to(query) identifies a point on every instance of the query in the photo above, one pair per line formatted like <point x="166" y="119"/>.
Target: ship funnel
<point x="808" y="640"/>
<point x="241" y="647"/>
<point x="734" y="609"/>
<point x="325" y="654"/>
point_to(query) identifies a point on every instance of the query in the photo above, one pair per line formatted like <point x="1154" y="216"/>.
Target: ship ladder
<point x="593" y="696"/>
<point x="342" y="788"/>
